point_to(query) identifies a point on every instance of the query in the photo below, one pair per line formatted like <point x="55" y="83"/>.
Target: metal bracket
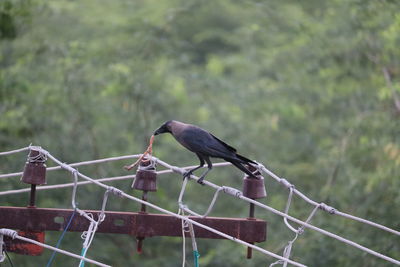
<point x="130" y="223"/>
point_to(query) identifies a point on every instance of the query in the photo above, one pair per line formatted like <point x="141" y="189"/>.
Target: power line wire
<point x="322" y="206"/>
<point x="233" y="191"/>
<point x="14" y="235"/>
<point x="72" y="170"/>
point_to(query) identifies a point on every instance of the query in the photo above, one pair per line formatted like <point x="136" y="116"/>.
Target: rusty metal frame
<point x="130" y="223"/>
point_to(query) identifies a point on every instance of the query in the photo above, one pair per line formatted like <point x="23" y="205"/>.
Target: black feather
<point x="225" y="144"/>
<point x="245" y="159"/>
<point x="242" y="168"/>
<point x="205" y="145"/>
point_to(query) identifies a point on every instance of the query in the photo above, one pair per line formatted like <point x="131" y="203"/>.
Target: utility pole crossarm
<point x="130" y="223"/>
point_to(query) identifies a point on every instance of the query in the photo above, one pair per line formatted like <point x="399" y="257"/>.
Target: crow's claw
<point x="187" y="174"/>
<point x="200" y="181"/>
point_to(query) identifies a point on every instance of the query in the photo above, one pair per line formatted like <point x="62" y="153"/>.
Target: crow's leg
<point x="209" y="165"/>
<point x="189" y="172"/>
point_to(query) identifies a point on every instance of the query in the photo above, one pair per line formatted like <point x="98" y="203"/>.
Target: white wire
<point x="103" y="160"/>
<point x="69" y="168"/>
<point x="15" y="235"/>
<point x="337" y="212"/>
<point x="58" y="186"/>
<point x="289" y="201"/>
<point x="297" y="192"/>
<point x="89" y="236"/>
<point x="349" y="242"/>
<point x="288" y="248"/>
<point x="15" y="151"/>
<point x="183" y="239"/>
<point x="185" y="208"/>
<point x="181" y="170"/>
<point x="90" y="233"/>
<point x="344" y="240"/>
<point x="76" y="164"/>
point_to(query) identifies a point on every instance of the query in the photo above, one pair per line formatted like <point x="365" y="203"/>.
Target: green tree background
<point x="310" y="88"/>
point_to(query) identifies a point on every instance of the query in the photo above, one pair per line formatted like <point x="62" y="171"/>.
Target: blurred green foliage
<point x="310" y="88"/>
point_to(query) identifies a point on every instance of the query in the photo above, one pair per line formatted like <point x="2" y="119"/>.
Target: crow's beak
<point x="157" y="132"/>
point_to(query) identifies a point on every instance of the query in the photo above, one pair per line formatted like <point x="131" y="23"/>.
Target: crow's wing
<point x="200" y="141"/>
<point x="223" y="143"/>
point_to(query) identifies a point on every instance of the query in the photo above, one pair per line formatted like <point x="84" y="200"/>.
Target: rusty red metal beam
<point x="21" y="247"/>
<point x="130" y="223"/>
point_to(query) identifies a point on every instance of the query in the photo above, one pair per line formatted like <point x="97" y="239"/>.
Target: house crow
<point x="204" y="145"/>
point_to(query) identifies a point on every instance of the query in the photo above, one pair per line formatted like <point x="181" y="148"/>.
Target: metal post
<point x="251" y="216"/>
<point x="139" y="245"/>
<point x="32" y="198"/>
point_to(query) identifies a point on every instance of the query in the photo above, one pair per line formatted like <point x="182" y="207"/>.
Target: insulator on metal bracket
<point x="34" y="173"/>
<point x="146" y="177"/>
<point x="35" y="169"/>
<point x="253" y="188"/>
<point x="146" y="180"/>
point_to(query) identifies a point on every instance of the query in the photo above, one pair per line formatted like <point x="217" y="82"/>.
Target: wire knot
<point x="300" y="230"/>
<point x="73" y="171"/>
<point x="258" y="165"/>
<point x="115" y="191"/>
<point x="182" y="206"/>
<point x="41" y="157"/>
<point x="80" y="212"/>
<point x="186" y="226"/>
<point x="327" y="208"/>
<point x="8" y="232"/>
<point x="150" y="167"/>
<point x="232" y="191"/>
<point x="70" y="169"/>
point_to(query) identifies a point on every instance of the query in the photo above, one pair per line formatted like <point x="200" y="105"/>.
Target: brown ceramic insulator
<point x="34" y="171"/>
<point x="254" y="188"/>
<point x="146" y="178"/>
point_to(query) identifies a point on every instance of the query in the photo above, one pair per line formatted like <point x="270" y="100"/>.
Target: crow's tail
<point x="239" y="164"/>
<point x="246" y="160"/>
